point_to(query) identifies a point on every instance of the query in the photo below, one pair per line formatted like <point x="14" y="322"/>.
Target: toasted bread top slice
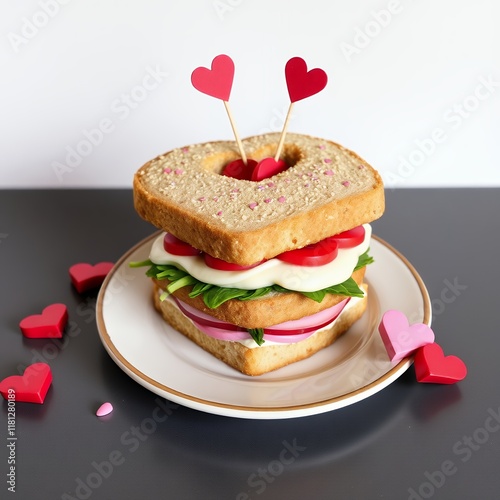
<point x="327" y="189"/>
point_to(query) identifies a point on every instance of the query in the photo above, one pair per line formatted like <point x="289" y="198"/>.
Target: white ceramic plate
<point x="164" y="361"/>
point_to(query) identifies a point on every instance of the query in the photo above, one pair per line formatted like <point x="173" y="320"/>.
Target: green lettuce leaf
<point x="364" y="260"/>
<point x="257" y="334"/>
<point x="214" y="296"/>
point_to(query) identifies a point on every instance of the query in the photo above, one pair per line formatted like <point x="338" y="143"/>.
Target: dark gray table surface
<point x="410" y="440"/>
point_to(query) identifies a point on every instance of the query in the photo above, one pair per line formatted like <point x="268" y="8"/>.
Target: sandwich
<point x="260" y="273"/>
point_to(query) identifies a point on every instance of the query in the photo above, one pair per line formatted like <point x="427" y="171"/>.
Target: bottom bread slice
<point x="263" y="359"/>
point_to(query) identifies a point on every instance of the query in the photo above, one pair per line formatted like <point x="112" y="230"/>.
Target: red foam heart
<point x="31" y="387"/>
<point x="238" y="170"/>
<point x="302" y="83"/>
<point x="86" y="276"/>
<point x="49" y="324"/>
<point x="267" y="168"/>
<point x="218" y="80"/>
<point x="432" y="366"/>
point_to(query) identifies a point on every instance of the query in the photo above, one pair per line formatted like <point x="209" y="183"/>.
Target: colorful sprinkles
<point x="177" y="171"/>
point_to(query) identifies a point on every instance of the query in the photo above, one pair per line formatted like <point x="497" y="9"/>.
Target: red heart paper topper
<point x="302" y="83"/>
<point x="218" y="80"/>
<point x="86" y="276"/>
<point x="31" y="387"/>
<point x="432" y="366"/>
<point x="49" y="324"/>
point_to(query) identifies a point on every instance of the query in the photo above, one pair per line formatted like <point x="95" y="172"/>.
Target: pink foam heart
<point x="49" y="324"/>
<point x="267" y="168"/>
<point x="400" y="339"/>
<point x="302" y="83"/>
<point x="218" y="80"/>
<point x="104" y="409"/>
<point x="86" y="276"/>
<point x="31" y="387"/>
<point x="432" y="366"/>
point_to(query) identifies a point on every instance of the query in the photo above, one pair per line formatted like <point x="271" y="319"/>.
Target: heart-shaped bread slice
<point x="327" y="189"/>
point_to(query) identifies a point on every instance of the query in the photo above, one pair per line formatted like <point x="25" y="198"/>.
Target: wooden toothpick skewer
<point x="235" y="132"/>
<point x="283" y="133"/>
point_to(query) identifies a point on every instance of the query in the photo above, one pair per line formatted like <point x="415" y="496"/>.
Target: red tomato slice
<point x="222" y="265"/>
<point x="317" y="254"/>
<point x="351" y="238"/>
<point x="175" y="246"/>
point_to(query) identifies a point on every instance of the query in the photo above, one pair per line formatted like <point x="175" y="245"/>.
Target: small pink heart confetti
<point x="104" y="409"/>
<point x="401" y="339"/>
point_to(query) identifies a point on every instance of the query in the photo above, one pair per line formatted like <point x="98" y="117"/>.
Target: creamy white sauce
<point x="273" y="271"/>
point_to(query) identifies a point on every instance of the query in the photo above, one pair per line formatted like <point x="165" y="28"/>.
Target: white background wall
<point x="414" y="84"/>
